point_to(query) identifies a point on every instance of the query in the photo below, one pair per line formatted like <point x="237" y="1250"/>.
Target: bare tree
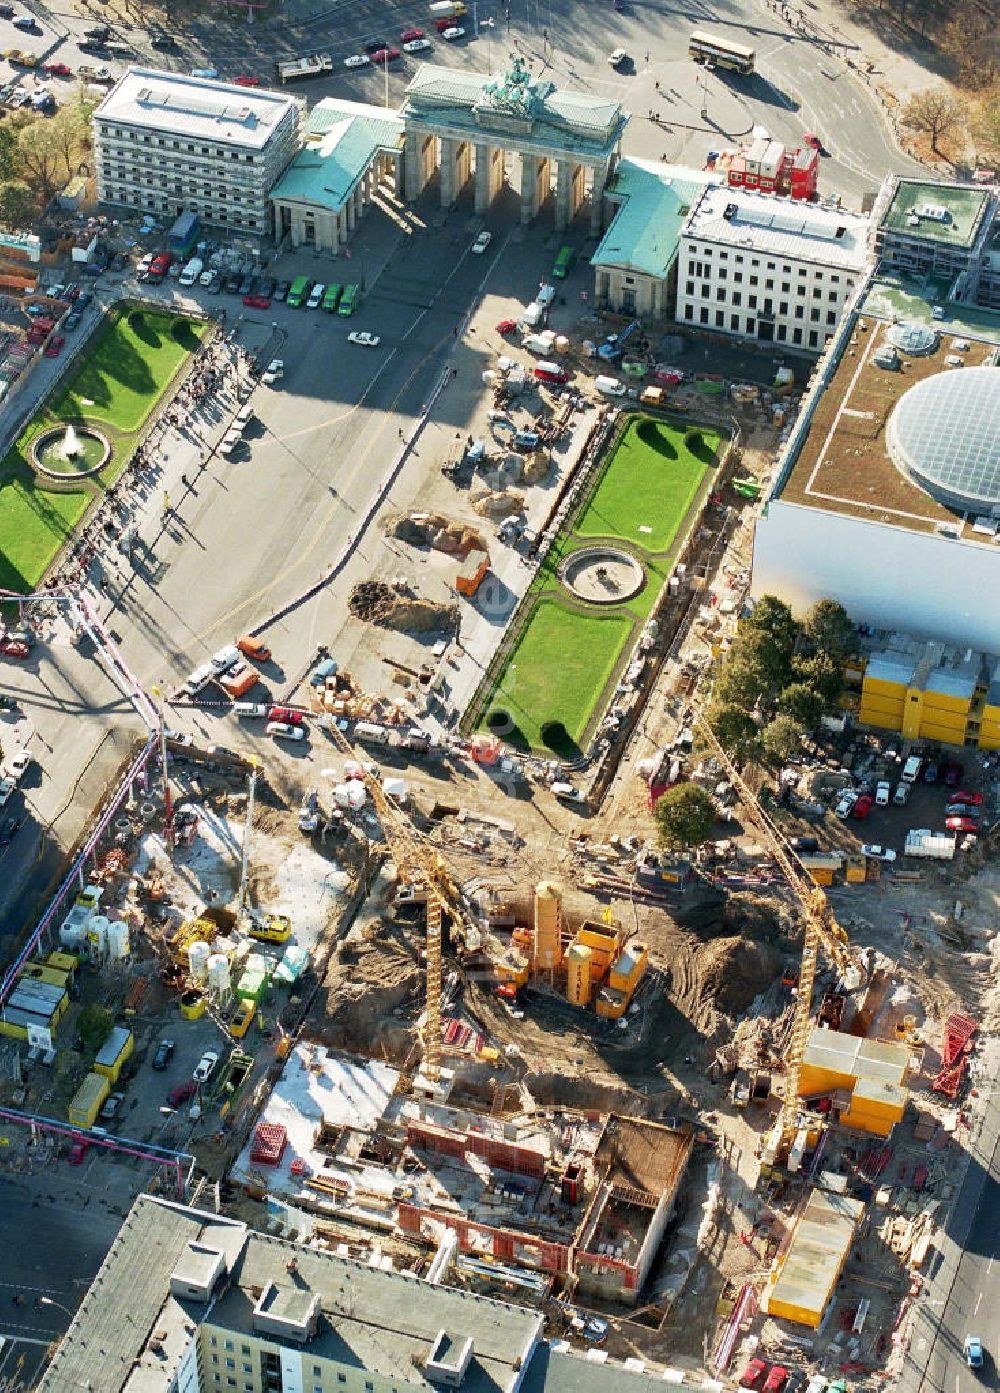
<point x="935" y="111"/>
<point x="987" y="124"/>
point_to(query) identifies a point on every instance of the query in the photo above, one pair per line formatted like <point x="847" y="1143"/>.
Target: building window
<point x="689" y="288"/>
<point x="833" y="297"/>
<point x="770" y="265"/>
<point x="751" y="302"/>
<point x="796" y="336"/>
<point x="799" y="311"/>
<point x="689" y="311"/>
<point x="751" y="326"/>
<point x="342" y="1378"/>
<point x="753" y="280"/>
<point x="769" y="285"/>
<point x="813" y="338"/>
<point x="785" y="287"/>
<point x="814" y="316"/>
<point x="783" y="307"/>
<point x="781" y="333"/>
<point x="720" y="294"/>
<point x="706" y="290"/>
<point x="831" y="317"/>
<point x="737" y="297"/>
<point x="734" y="323"/>
<point x="704" y="314"/>
<point x="723" y="273"/>
<point x="738" y="277"/>
<point x="720" y="319"/>
<point x="834" y="280"/>
<point x="755" y="261"/>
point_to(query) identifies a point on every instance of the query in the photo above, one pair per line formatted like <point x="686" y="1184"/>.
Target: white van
<point x="191" y="271"/>
<point x="911" y="769"/>
<point x="250" y="709"/>
<point x="198" y="679"/>
<point x="610" y="386"/>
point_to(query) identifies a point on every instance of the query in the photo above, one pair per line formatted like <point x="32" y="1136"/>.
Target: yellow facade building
<point x="871" y="1073"/>
<point x="928" y="691"/>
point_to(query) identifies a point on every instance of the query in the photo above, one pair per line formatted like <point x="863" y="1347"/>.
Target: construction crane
<point x="241" y="896"/>
<point x="420" y="865"/>
<point x="821" y="930"/>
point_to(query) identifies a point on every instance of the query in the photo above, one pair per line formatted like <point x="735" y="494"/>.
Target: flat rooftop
<point x="778" y="227"/>
<point x="844" y="465"/>
<point x="807" y="1271"/>
<point x="651" y="201"/>
<point x="962" y="208"/>
<point x="174" y="104"/>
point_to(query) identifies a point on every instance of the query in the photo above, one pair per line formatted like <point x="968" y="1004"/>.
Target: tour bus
<point x="301" y="286"/>
<point x="331" y="299"/>
<point x="565" y="259"/>
<point x="349" y="300"/>
<point x="720" y="53"/>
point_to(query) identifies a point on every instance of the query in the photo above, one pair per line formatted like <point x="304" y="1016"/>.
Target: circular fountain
<point x="602" y="575"/>
<point x="70" y="452"/>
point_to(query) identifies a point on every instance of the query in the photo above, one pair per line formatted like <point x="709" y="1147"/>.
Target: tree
<point x="768" y="656"/>
<point x="987" y="122"/>
<point x="968" y="39"/>
<point x="828" y="629"/>
<point x="8" y="153"/>
<point x="735" y="729"/>
<point x="822" y="674"/>
<point x="781" y="738"/>
<point x="18" y="204"/>
<point x="802" y="703"/>
<point x="773" y="617"/>
<point x="94" y="1026"/>
<point x="935" y="112"/>
<point x="49" y="149"/>
<point x="684" y="817"/>
<point x="739" y="684"/>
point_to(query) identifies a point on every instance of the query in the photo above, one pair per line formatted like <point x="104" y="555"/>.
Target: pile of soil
<point x="732" y="971"/>
<point x="714" y="913"/>
<point x="489" y="504"/>
<point x="536" y="466"/>
<point x="378" y="603"/>
<point x="436" y="531"/>
<point x="354" y="1007"/>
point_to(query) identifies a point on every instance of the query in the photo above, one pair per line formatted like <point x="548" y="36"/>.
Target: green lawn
<point x="566" y="658"/>
<point x="123" y="374"/>
<point x="649" y="484"/>
<point x="558" y="670"/>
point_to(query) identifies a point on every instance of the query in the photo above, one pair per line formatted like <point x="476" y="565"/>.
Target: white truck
<point x="934" y="846"/>
<point x="312" y="66"/>
<point x="191" y="271"/>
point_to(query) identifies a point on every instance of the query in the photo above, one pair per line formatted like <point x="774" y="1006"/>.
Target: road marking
<point x="978" y="1301"/>
<point x="989" y="1266"/>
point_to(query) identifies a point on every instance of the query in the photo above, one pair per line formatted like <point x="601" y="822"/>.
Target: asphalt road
<point x="963" y="1296"/>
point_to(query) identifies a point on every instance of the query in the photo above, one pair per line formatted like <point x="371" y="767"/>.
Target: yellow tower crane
<point x="821" y="930"/>
<point x="420" y="865"/>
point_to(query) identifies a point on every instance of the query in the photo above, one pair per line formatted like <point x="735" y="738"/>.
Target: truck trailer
<point x="936" y="846"/>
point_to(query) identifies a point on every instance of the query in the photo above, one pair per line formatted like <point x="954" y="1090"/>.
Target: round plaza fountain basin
<point x="83" y="454"/>
<point x="602" y="575"/>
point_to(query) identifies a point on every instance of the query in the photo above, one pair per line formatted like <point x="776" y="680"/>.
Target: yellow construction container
<point x="88" y="1100"/>
<point x="578" y="965"/>
<point x="513" y="967"/>
<point x="64" y="962"/>
<point x="822" y="866"/>
<point x="604" y="944"/>
<point x="41" y="972"/>
<point x="610" y="1003"/>
<point x="807" y="1269"/>
<point x="876" y="1107"/>
<point x="547" y="947"/>
<point x="854" y="870"/>
<point x="192" y="1005"/>
<point x="833" y="1059"/>
<point x="628" y="969"/>
<point x="113" y="1053"/>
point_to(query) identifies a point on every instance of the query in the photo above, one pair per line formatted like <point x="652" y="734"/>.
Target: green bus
<point x="565" y="259"/>
<point x="301" y="287"/>
<point x="349" y="299"/>
<point x="332" y="298"/>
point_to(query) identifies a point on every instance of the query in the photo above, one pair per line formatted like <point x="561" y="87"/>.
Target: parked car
<point x="453" y="33"/>
<point x="251" y="710"/>
<point x="281" y="291"/>
<point x="357" y="60"/>
<point x="931" y="771"/>
<point x="846" y="802"/>
<point x="316" y="296"/>
<point x="481" y="243"/>
<point x="247" y="80"/>
<point x="875" y="852"/>
<point x="386" y="55"/>
<point x="232" y="282"/>
<point x="883" y="793"/>
<point x="257" y="302"/>
<point x="205" y="1067"/>
<point x="417" y="46"/>
<point x="506" y="326"/>
<point x="253" y="648"/>
<point x="58" y="70"/>
<point x="953" y="772"/>
<point x="902" y="793"/>
<point x="776" y="1379"/>
<point x="12" y="648"/>
<point x="962" y="795"/>
<point x="110" y="1106"/>
<point x="164" y="42"/>
<point x="179" y="1095"/>
<point x="279" y="730"/>
<point x="9" y="829"/>
<point x="863" y="807"/>
<point x="957" y="809"/>
<point x="804" y="844"/>
<point x="409" y="36"/>
<point x="55" y="345"/>
<point x="961" y="824"/>
<point x="376" y="46"/>
<point x="273" y="372"/>
<point x="754" y="1374"/>
<point x="618" y="57"/>
<point x="365" y="339"/>
<point x="77" y="1151"/>
<point x="164" y="1052"/>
